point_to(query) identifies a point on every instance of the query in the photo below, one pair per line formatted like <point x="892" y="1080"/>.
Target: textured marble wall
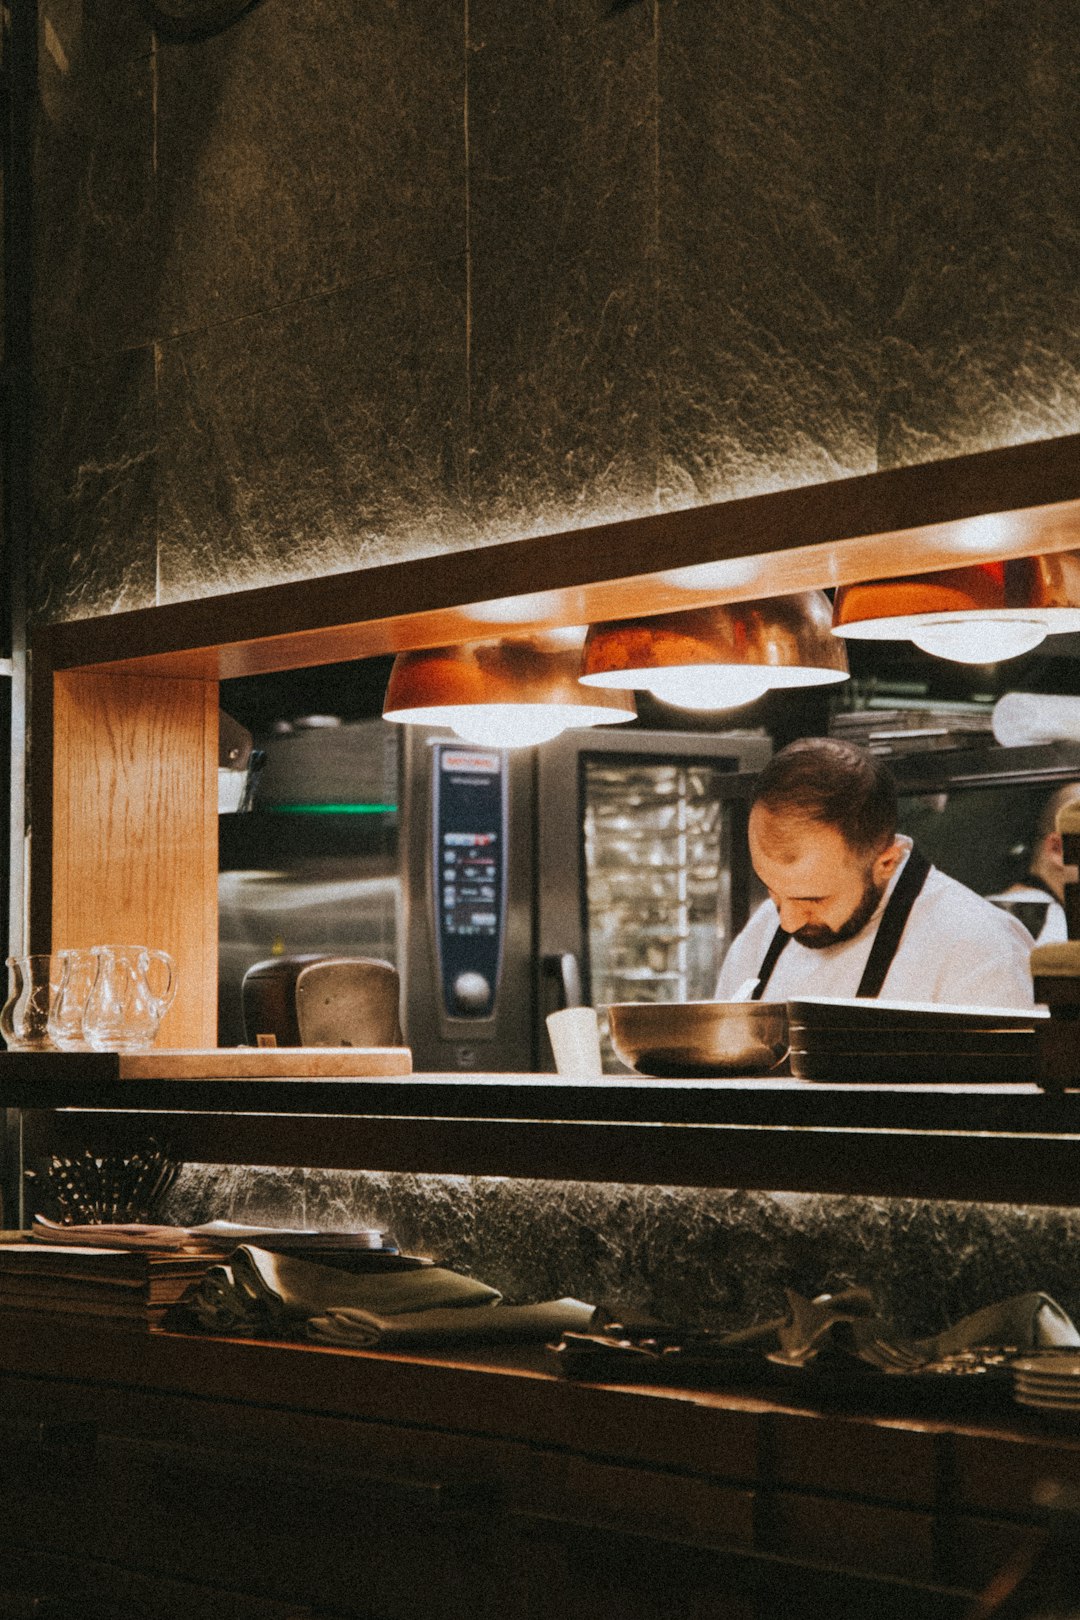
<point x="979" y="227"/>
<point x="714" y="1258"/>
<point x="360" y="279"/>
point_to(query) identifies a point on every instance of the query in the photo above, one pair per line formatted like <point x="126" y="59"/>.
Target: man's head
<point x="823" y="838"/>
<point x="1047" y="856"/>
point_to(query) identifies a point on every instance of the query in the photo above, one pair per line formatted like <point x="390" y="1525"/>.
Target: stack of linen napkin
<point x="263" y="1293"/>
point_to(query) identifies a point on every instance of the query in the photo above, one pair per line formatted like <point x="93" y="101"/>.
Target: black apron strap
<point x="769" y="961"/>
<point x="892" y="925"/>
<point x="886" y="940"/>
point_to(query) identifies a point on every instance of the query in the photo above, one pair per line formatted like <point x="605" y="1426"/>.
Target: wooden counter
<point x="1001" y="1143"/>
<point x="175" y="1475"/>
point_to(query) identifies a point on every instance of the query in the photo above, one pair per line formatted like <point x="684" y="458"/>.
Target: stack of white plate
<point x="1049" y="1383"/>
<point x="838" y="1038"/>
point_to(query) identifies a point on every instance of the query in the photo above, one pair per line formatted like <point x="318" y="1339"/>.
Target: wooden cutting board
<point x="265" y="1063"/>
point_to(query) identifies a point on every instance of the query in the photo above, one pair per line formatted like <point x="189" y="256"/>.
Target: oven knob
<point x="472" y="993"/>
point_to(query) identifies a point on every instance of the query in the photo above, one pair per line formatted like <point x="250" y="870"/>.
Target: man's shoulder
<point x="959" y="906"/>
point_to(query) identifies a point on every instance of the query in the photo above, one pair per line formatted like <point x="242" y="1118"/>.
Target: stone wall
<point x="355" y="280"/>
<point x="712" y="1258"/>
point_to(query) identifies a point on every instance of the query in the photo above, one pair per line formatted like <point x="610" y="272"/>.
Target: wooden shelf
<point x="507" y="1392"/>
<point x="905" y="519"/>
<point x="1005" y="1143"/>
<point x="91" y="1082"/>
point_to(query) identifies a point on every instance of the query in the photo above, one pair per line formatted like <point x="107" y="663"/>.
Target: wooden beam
<point x="997" y="503"/>
<point x="967" y="1166"/>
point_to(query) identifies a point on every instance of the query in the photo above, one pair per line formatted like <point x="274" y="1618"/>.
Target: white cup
<point x="575" y="1041"/>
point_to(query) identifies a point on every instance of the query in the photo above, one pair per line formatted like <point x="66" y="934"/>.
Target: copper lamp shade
<point x="718" y="657"/>
<point x="513" y="692"/>
<point x="977" y="614"/>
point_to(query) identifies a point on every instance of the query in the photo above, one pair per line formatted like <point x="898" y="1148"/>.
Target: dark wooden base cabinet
<point x="147" y="1477"/>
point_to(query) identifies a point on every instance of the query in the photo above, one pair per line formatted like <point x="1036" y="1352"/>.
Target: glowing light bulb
<point x="979" y="641"/>
<point x="706" y="686"/>
<point x="508" y="725"/>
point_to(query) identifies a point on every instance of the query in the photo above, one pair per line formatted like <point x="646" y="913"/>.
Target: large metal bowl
<point x="699" y="1039"/>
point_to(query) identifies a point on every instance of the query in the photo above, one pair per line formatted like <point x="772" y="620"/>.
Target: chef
<point x="854" y="909"/>
<point x="1038" y="901"/>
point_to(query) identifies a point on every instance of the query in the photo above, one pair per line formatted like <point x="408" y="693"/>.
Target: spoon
<point x="746" y="990"/>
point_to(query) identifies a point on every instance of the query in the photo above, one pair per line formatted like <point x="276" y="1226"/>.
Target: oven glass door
<point x="656" y="860"/>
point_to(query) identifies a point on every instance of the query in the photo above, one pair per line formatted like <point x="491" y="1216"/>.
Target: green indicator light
<point x="334" y="809"/>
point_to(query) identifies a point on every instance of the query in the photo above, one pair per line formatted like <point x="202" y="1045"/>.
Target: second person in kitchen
<point x="854" y="909"/>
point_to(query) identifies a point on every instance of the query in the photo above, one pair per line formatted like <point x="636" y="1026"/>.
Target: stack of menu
<point x="213" y="1237"/>
<point x="131" y="1274"/>
<point x="130" y="1288"/>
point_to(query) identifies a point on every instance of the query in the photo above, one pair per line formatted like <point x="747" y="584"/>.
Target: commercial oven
<point x="602" y="866"/>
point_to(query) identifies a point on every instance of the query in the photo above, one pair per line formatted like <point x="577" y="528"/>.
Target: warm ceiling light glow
<point x="705" y="687"/>
<point x="979" y="614"/>
<point x="717" y="657"/>
<point x="524" y="610"/>
<point x="730" y="574"/>
<point x="512" y="693"/>
<point x="512" y="725"/>
<point x="978" y="641"/>
<point x="509" y="725"/>
<point x="992" y="533"/>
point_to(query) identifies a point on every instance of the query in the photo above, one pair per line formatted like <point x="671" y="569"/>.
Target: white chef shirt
<point x="1053" y="928"/>
<point x="956" y="949"/>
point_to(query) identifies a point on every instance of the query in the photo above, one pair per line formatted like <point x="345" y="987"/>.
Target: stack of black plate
<point x="905" y="1042"/>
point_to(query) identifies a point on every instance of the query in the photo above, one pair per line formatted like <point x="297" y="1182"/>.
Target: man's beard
<point x="816" y="937"/>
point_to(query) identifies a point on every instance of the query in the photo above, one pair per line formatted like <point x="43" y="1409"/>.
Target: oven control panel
<point x="469" y="875"/>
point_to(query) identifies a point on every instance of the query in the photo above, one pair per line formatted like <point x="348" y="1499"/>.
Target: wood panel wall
<point x="134" y="829"/>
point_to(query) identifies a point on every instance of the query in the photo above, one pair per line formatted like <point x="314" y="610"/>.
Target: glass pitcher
<point x="25" y="1014"/>
<point x="77" y="969"/>
<point x="123" y="1011"/>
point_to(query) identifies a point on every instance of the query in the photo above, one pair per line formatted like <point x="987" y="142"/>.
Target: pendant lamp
<point x="718" y="657"/>
<point x="979" y="614"/>
<point x="511" y="693"/>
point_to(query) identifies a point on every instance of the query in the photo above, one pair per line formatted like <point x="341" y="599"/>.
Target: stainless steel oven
<point x="605" y="866"/>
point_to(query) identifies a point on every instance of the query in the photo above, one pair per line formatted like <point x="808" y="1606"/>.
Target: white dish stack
<point x="1049" y="1383"/>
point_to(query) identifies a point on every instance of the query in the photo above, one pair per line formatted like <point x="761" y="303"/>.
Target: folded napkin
<point x="843" y="1325"/>
<point x="259" y="1291"/>
<point x="1028" y="1321"/>
<point x="464" y="1324"/>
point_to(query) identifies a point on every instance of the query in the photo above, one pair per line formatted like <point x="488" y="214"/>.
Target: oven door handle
<point x="564" y="971"/>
